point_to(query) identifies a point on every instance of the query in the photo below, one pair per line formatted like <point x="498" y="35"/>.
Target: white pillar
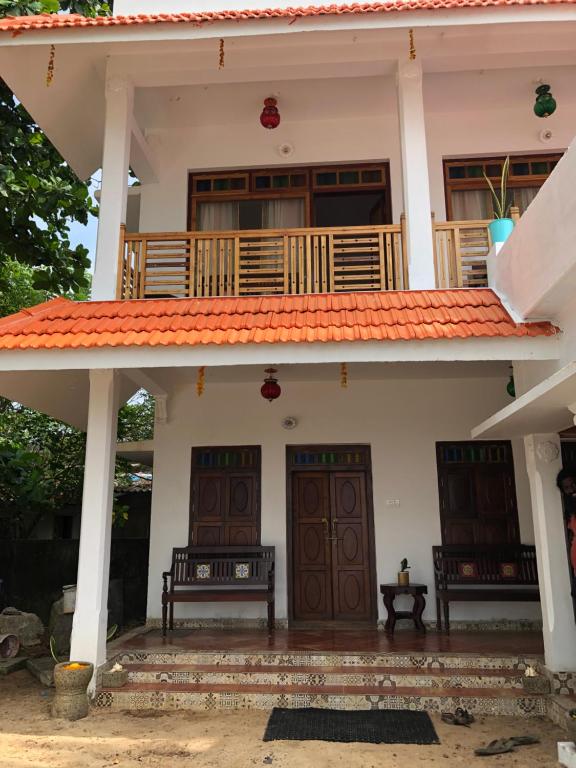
<point x="91" y="615"/>
<point x="415" y="176"/>
<point x="543" y="461"/>
<point x="114" y="191"/>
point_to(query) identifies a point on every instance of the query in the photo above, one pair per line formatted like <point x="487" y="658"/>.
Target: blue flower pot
<point x="500" y="230"/>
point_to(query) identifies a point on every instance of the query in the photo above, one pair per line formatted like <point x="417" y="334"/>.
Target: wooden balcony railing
<point x="460" y="252"/>
<point x="262" y="262"/>
<point x="265" y="262"/>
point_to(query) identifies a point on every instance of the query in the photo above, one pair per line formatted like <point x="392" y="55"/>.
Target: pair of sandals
<point x="459" y="717"/>
<point x="500" y="746"/>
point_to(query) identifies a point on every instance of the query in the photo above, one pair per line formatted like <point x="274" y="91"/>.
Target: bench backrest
<point x="198" y="566"/>
<point x="485" y="564"/>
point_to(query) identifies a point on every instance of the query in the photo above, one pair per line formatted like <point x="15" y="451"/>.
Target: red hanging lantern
<point x="270" y="117"/>
<point x="270" y="390"/>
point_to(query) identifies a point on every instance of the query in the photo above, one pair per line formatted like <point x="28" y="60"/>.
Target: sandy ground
<point x="29" y="738"/>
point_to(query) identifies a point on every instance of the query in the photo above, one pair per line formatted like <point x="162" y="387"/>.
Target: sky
<point x="86" y="235"/>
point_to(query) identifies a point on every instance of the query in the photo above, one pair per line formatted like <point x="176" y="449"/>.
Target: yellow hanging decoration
<point x="221" y="54"/>
<point x="412" y="52"/>
<point x="200" y="381"/>
<point x="50" y="70"/>
<point x="344" y="375"/>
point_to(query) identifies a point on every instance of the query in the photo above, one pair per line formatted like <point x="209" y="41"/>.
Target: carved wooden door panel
<point x="311" y="559"/>
<point x="331" y="553"/>
<point x="225" y="496"/>
<point x="350" y="550"/>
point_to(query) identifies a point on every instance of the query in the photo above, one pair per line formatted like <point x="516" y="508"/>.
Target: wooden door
<point x="312" y="560"/>
<point x="225" y="496"/>
<point x="332" y="561"/>
<point x="349" y="547"/>
<point x="477" y="493"/>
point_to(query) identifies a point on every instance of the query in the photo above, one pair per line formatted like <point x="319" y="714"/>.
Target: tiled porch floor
<point x="336" y="641"/>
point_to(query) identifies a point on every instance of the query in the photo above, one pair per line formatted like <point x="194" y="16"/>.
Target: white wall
<point x="342" y="120"/>
<point x="400" y="418"/>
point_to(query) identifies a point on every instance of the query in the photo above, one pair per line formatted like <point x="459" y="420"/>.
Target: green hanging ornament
<point x="510" y="387"/>
<point x="545" y="103"/>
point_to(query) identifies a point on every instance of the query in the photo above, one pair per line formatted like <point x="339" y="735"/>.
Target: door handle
<point x="334" y="521"/>
<point x="326" y="525"/>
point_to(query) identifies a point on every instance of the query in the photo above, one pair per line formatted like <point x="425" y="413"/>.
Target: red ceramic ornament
<point x="270" y="390"/>
<point x="270" y="117"/>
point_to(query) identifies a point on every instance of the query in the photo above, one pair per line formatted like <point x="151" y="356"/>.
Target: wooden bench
<point x="218" y="574"/>
<point x="482" y="573"/>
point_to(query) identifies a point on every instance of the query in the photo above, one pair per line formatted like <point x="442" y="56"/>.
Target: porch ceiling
<point x="548" y="407"/>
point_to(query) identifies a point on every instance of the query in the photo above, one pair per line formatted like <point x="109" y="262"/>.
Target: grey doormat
<point x="375" y="726"/>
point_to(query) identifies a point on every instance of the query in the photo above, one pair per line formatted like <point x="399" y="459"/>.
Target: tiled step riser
<point x="263" y="660"/>
<point x="161" y="700"/>
<point x="418" y="680"/>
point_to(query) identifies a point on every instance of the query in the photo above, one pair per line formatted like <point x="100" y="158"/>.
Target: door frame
<point x="364" y="466"/>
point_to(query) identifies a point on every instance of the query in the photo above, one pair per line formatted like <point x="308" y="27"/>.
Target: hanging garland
<point x="200" y="377"/>
<point x="50" y="69"/>
<point x="412" y="50"/>
<point x="344" y="375"/>
<point x="221" y="54"/>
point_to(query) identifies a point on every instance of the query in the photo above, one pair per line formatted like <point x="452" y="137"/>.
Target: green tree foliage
<point x="42" y="462"/>
<point x="40" y="195"/>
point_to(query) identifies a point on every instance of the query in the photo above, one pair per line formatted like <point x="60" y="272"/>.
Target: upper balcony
<point x="295" y="261"/>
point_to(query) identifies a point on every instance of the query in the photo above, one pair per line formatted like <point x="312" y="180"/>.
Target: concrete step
<point x="341" y="677"/>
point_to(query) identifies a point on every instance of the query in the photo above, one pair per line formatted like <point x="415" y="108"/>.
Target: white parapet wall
<point x="536" y="268"/>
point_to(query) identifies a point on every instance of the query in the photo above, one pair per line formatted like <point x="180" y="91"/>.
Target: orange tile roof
<point x="19" y="24"/>
<point x="382" y="316"/>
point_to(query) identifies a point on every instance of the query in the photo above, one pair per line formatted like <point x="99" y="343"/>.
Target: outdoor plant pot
<point x="538" y="684"/>
<point x="71" y="680"/>
<point x="114" y="678"/>
<point x="500" y="230"/>
<point x="403" y="578"/>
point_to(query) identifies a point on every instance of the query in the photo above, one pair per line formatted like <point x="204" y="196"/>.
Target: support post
<point x="543" y="462"/>
<point x="415" y="176"/>
<point x="89" y="626"/>
<point x="114" y="191"/>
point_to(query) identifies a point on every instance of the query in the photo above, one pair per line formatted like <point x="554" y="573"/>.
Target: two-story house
<point x="312" y="200"/>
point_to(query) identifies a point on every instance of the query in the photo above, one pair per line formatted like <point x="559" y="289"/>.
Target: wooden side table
<point x="390" y="592"/>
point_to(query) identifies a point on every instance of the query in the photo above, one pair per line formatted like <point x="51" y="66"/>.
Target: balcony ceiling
<point x="71" y="111"/>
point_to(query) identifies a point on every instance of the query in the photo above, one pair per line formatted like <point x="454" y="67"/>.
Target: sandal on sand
<point x="522" y="741"/>
<point x="460" y="717"/>
<point x="496" y="747"/>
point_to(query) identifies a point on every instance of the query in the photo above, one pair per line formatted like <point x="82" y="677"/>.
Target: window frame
<point x="478" y="182"/>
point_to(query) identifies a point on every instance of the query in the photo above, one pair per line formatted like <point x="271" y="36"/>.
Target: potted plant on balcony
<point x="502" y="226"/>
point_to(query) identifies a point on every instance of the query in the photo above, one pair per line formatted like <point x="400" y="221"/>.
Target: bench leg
<point x="271" y="617"/>
<point x="164" y="617"/>
<point x="438" y="615"/>
<point x="171" y="620"/>
<point x="447" y="617"/>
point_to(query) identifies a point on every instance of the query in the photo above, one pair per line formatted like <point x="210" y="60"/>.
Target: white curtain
<point x="217" y="217"/>
<point x="471" y="204"/>
<point x="283" y="214"/>
<point x="523" y="196"/>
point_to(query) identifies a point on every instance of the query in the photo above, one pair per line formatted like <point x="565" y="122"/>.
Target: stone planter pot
<point x="71" y="684"/>
<point x="538" y="684"/>
<point x="114" y="678"/>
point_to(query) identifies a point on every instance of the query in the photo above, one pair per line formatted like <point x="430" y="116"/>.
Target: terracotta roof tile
<point x="378" y="316"/>
<point x="18" y="24"/>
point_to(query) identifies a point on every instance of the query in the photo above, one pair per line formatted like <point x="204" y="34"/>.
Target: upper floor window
<point x="288" y="198"/>
<point x="467" y="194"/>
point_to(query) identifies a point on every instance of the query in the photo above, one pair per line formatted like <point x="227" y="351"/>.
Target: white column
<point x="415" y="176"/>
<point x="91" y="615"/>
<point x="543" y="461"/>
<point x="113" y="195"/>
